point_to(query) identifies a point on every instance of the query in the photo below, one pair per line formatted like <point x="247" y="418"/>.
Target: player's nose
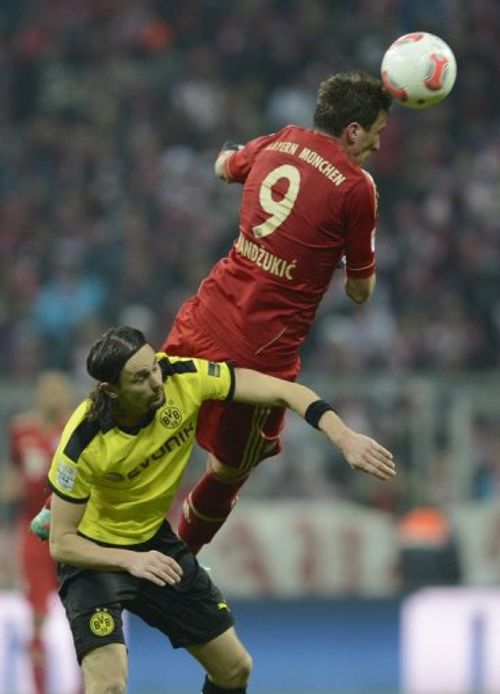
<point x="155" y="382"/>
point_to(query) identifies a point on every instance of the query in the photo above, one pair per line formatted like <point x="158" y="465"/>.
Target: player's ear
<point x="351" y="132"/>
<point x="108" y="390"/>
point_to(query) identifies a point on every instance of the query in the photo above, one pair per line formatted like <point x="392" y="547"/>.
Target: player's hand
<point x="40" y="524"/>
<point x="364" y="453"/>
<point x="155" y="567"/>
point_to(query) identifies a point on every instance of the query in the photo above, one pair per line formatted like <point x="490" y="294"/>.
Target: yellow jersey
<point x="128" y="478"/>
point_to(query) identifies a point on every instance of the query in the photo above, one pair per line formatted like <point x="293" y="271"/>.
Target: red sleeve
<point x="361" y="219"/>
<point x="238" y="165"/>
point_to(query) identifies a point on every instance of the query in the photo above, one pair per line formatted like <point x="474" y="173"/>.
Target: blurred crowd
<point x="112" y="112"/>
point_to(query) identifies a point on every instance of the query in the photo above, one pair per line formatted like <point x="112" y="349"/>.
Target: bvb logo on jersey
<point x="102" y="623"/>
<point x="171" y="417"/>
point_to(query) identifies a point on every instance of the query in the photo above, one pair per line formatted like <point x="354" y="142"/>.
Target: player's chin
<point x="158" y="402"/>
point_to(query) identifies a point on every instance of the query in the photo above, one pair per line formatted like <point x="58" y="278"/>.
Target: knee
<point x="245" y="669"/>
<point x="116" y="686"/>
<point x="113" y="684"/>
<point x="105" y="670"/>
<point x="236" y="674"/>
<point x="226" y="473"/>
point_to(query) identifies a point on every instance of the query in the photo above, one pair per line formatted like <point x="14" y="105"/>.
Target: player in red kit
<point x="33" y="439"/>
<point x="307" y="204"/>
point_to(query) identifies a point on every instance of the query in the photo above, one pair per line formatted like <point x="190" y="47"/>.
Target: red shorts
<point x="238" y="435"/>
<point x="38" y="568"/>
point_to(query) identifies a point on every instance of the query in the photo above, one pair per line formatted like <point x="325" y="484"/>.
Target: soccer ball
<point x="419" y="69"/>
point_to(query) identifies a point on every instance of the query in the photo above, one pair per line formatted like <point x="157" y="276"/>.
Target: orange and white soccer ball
<point x="419" y="69"/>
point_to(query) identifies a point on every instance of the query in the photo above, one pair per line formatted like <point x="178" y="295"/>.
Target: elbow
<point x="57" y="550"/>
<point x="220" y="169"/>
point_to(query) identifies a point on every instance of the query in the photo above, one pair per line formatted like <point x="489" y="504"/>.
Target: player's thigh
<point x="105" y="666"/>
<point x="223" y="656"/>
<point x="191" y="612"/>
<point x="240" y="435"/>
<point x="93" y="601"/>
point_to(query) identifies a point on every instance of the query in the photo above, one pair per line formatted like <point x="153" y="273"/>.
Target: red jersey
<point x="32" y="448"/>
<point x="305" y="205"/>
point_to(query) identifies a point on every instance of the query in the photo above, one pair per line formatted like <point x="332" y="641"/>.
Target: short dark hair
<point x="106" y="359"/>
<point x="349" y="97"/>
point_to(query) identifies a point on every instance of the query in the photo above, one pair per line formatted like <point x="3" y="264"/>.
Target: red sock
<point x="38" y="664"/>
<point x="206" y="509"/>
<point x="48" y="501"/>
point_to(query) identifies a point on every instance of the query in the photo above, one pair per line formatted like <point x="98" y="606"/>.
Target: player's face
<point x="140" y="388"/>
<point x="368" y="141"/>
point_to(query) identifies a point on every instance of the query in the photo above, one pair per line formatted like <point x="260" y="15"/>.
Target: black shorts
<point x="190" y="612"/>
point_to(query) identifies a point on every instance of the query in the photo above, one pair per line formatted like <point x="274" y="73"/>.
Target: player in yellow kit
<point x="114" y="476"/>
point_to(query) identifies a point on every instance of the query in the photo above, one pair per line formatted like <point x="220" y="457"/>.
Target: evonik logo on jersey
<point x="173" y="442"/>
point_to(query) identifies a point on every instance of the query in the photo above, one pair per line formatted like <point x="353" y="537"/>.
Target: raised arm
<point x="360" y="451"/>
<point x="68" y="547"/>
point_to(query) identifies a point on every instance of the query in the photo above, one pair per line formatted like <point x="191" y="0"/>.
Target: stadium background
<point x="111" y="114"/>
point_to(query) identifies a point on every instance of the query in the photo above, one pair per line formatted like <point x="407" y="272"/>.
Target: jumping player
<point x="307" y="205"/>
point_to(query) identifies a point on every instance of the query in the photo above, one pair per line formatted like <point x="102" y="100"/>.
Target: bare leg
<point x="226" y="661"/>
<point x="105" y="670"/>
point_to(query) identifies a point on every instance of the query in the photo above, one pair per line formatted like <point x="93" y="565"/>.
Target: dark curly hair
<point x="349" y="97"/>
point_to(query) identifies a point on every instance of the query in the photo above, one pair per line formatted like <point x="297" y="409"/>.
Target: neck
<point x="324" y="132"/>
<point x="127" y="419"/>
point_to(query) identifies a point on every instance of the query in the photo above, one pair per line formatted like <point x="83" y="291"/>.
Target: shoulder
<point x="363" y="185"/>
<point x="370" y="181"/>
<point x="196" y="372"/>
<point x="79" y="432"/>
<point x="172" y="366"/>
<point x="290" y="129"/>
<point x="371" y="186"/>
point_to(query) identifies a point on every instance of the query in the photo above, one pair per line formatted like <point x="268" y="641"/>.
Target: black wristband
<point x="315" y="411"/>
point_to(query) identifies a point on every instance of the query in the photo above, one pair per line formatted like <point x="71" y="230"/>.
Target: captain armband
<point x="315" y="411"/>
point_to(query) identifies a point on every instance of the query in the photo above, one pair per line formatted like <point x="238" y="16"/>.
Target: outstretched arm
<point x="360" y="451"/>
